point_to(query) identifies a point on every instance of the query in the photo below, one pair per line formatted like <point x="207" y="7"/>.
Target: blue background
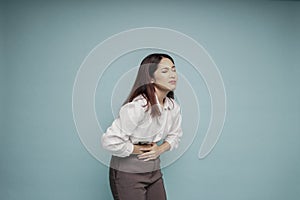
<point x="254" y="44"/>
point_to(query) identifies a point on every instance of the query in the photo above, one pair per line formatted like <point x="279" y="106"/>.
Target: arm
<point x="117" y="137"/>
<point x="173" y="137"/>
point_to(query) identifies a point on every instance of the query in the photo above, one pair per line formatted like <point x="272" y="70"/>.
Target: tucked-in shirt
<point x="134" y="124"/>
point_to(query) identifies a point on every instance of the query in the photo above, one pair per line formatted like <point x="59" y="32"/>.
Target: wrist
<point x="160" y="150"/>
<point x="163" y="147"/>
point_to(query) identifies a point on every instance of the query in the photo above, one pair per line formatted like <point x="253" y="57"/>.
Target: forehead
<point x="165" y="62"/>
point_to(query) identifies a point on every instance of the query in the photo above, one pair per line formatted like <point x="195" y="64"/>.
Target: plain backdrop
<point x="255" y="45"/>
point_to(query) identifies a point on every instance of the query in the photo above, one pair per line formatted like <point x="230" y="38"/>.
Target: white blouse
<point x="134" y="125"/>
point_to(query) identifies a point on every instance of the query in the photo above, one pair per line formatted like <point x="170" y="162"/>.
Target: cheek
<point x="163" y="78"/>
<point x="160" y="77"/>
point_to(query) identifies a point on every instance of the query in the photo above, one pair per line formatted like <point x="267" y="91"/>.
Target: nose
<point x="173" y="74"/>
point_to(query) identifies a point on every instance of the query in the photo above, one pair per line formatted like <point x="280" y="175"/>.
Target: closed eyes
<point x="165" y="69"/>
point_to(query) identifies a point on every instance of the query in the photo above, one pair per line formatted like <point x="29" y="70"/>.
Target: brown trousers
<point x="133" y="182"/>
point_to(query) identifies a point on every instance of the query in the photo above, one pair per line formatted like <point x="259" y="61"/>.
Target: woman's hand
<point x="150" y="153"/>
<point x="137" y="148"/>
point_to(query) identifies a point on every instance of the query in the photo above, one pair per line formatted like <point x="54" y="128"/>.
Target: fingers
<point x="145" y="149"/>
<point x="145" y="155"/>
<point x="148" y="159"/>
<point x="151" y="146"/>
<point x="151" y="155"/>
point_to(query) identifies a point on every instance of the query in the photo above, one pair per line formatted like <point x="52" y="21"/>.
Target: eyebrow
<point x="168" y="67"/>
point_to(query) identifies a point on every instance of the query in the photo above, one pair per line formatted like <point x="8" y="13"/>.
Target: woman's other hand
<point x="150" y="153"/>
<point x="137" y="149"/>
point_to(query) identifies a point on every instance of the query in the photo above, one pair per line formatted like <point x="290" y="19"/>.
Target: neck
<point x="161" y="95"/>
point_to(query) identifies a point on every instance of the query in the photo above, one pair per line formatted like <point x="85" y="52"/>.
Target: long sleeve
<point x="117" y="137"/>
<point x="173" y="137"/>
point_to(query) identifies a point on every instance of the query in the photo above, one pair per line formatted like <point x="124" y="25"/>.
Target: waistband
<point x="132" y="164"/>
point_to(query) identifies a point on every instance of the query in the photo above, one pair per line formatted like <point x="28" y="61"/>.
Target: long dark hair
<point x="143" y="85"/>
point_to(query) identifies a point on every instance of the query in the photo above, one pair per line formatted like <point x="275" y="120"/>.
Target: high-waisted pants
<point x="134" y="179"/>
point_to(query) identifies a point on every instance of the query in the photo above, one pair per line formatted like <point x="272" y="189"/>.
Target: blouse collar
<point x="167" y="104"/>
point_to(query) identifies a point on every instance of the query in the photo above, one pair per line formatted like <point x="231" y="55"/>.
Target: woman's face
<point x="165" y="75"/>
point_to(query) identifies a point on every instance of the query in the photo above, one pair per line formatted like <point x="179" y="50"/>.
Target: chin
<point x="171" y="89"/>
<point x="166" y="87"/>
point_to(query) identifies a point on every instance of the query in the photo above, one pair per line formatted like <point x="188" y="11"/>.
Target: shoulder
<point x="138" y="103"/>
<point x="140" y="99"/>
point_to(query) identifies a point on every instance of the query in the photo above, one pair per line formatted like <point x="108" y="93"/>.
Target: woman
<point x="149" y="124"/>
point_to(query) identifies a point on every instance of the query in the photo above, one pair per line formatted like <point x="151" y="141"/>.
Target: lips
<point x="172" y="82"/>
